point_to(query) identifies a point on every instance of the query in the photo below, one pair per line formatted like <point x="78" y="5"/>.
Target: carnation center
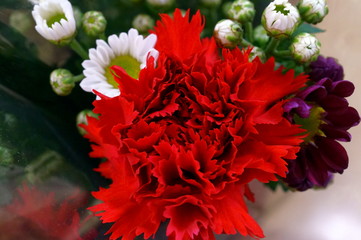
<point x="312" y="123"/>
<point x="55" y="18"/>
<point x="130" y="65"/>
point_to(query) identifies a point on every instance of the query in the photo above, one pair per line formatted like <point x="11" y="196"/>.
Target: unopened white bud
<point x="94" y="23"/>
<point x="82" y="118"/>
<point x="280" y="19"/>
<point x="313" y="11"/>
<point x="143" y="23"/>
<point x="55" y="21"/>
<point x="257" y="52"/>
<point x="242" y="11"/>
<point x="228" y="33"/>
<point x="305" y="48"/>
<point x="61" y="80"/>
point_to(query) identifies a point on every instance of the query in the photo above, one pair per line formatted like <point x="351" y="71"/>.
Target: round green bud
<point x="260" y="36"/>
<point x="228" y="33"/>
<point x="242" y="11"/>
<point x="61" y="80"/>
<point x="305" y="48"/>
<point x="94" y="23"/>
<point x="312" y="11"/>
<point x="143" y="23"/>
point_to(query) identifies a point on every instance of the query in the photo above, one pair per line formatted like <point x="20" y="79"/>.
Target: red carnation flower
<point x="184" y="140"/>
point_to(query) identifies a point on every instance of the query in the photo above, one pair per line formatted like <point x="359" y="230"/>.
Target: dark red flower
<point x="184" y="140"/>
<point x="323" y="110"/>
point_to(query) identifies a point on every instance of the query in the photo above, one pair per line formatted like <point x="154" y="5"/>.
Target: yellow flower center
<point x="312" y="123"/>
<point x="130" y="65"/>
<point x="55" y="18"/>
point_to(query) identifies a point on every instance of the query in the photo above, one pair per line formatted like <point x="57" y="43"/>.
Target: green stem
<point x="245" y="43"/>
<point x="282" y="53"/>
<point x="78" y="78"/>
<point x="271" y="46"/>
<point x="249" y="31"/>
<point x="75" y="45"/>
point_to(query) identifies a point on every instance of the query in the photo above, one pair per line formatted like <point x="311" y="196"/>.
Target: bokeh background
<point x="326" y="214"/>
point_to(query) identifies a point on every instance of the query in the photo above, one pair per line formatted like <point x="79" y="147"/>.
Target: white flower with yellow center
<point x="55" y="20"/>
<point x="128" y="50"/>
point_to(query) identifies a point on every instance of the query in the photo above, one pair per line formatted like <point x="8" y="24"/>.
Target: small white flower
<point x="55" y="20"/>
<point x="129" y="51"/>
<point x="228" y="33"/>
<point x="280" y="18"/>
<point x="313" y="11"/>
<point x="305" y="48"/>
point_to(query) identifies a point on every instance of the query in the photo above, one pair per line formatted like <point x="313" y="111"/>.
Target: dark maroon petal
<point x="344" y="119"/>
<point x="314" y="91"/>
<point x="333" y="153"/>
<point x="317" y="168"/>
<point x="333" y="103"/>
<point x="335" y="133"/>
<point x="343" y="88"/>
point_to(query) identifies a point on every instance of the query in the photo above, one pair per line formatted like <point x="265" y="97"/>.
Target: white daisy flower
<point x="280" y="18"/>
<point x="129" y="51"/>
<point x="55" y="20"/>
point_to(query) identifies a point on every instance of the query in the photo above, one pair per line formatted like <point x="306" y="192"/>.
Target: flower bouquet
<point x="180" y="105"/>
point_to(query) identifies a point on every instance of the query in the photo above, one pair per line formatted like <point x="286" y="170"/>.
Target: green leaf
<point x="308" y="28"/>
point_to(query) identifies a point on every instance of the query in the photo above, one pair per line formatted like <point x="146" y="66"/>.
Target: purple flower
<point x="326" y="68"/>
<point x="327" y="121"/>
